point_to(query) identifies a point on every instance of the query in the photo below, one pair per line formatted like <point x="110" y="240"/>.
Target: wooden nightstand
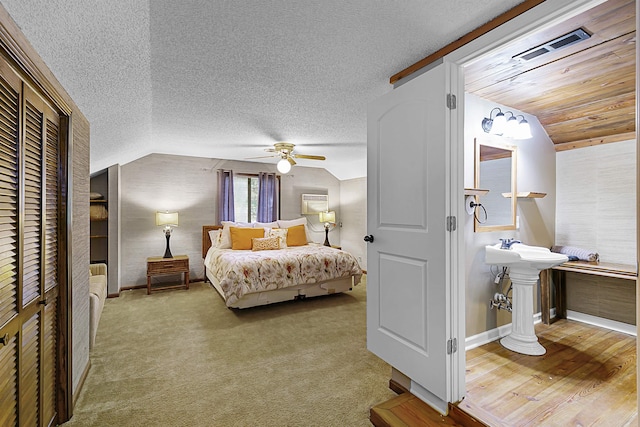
<point x="157" y="266"/>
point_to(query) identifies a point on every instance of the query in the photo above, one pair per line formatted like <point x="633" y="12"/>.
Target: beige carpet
<point x="181" y="358"/>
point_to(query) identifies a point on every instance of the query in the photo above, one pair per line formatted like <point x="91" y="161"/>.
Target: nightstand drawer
<point x="177" y="266"/>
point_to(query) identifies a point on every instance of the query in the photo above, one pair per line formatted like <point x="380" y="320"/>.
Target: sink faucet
<point x="506" y="243"/>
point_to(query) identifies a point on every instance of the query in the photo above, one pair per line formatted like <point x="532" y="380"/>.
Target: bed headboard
<point x="206" y="242"/>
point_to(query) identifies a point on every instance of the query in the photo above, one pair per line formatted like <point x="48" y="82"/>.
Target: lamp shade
<point x="499" y="122"/>
<point x="167" y="218"/>
<point x="329" y="217"/>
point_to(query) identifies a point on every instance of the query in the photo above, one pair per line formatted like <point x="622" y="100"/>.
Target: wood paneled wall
<point x="597" y="211"/>
<point x="596" y="207"/>
<point x="80" y="249"/>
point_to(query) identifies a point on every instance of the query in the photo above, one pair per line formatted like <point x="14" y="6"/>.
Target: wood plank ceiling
<point x="583" y="94"/>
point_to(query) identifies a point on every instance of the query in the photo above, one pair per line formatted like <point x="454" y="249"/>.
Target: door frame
<point x="545" y="14"/>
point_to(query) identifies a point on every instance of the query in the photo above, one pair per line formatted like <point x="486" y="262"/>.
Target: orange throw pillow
<point x="241" y="237"/>
<point x="296" y="236"/>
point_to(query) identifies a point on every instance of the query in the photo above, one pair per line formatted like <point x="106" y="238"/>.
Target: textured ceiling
<point x="226" y="79"/>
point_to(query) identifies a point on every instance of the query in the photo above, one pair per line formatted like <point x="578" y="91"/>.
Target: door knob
<point x="369" y="238"/>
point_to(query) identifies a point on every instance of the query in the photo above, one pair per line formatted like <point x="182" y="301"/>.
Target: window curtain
<point x="225" y="196"/>
<point x="267" y="197"/>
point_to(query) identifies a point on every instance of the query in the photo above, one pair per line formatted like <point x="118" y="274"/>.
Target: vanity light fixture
<point x="509" y="128"/>
<point x="491" y="124"/>
<point x="524" y="130"/>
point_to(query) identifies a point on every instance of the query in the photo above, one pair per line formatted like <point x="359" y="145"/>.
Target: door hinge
<point x="451" y="223"/>
<point x="451" y="101"/>
<point x="452" y="345"/>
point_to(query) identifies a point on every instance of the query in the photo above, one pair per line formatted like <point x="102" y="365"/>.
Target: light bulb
<point x="283" y="166"/>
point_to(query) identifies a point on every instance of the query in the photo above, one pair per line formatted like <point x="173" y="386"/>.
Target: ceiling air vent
<point x="561" y="42"/>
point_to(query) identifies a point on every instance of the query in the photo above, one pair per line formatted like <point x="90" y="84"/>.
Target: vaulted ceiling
<point x="227" y="79"/>
<point x="583" y="94"/>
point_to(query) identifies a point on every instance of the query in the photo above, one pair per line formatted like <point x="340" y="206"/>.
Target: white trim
<point x="544" y="15"/>
<point x="504" y="330"/>
<point x="614" y="325"/>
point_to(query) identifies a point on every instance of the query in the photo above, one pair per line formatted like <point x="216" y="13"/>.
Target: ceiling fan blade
<point x="262" y="157"/>
<point x="270" y="150"/>
<point x="304" y="156"/>
<point x="293" y="162"/>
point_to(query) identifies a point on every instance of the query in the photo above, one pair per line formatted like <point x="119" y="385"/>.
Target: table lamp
<point x="168" y="219"/>
<point x="328" y="218"/>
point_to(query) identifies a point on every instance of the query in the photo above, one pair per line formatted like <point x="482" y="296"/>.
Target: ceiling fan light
<point x="283" y="166"/>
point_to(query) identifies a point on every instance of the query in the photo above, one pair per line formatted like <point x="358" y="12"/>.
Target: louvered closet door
<point x="29" y="205"/>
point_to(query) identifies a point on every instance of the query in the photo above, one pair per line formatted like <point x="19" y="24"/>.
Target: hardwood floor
<point x="587" y="377"/>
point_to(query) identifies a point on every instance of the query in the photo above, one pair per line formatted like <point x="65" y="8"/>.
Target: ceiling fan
<point x="284" y="150"/>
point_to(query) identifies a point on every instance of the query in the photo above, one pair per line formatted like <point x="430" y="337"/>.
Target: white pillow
<point x="213" y="236"/>
<point x="286" y="223"/>
<point x="265" y="224"/>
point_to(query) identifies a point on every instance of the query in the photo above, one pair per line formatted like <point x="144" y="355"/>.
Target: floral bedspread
<point x="244" y="272"/>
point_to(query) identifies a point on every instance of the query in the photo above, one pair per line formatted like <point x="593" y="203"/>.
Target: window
<point x="245" y="197"/>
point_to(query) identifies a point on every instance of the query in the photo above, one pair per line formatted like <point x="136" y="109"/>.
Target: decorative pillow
<point x="241" y="237"/>
<point x="214" y="236"/>
<point x="281" y="234"/>
<point x="225" y="238"/>
<point x="95" y="196"/>
<point x="296" y="236"/>
<point x="282" y="223"/>
<point x="265" y="243"/>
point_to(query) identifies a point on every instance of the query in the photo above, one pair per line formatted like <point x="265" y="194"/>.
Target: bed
<point x="246" y="278"/>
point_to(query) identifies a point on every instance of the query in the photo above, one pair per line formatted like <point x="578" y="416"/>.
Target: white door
<point x="408" y="304"/>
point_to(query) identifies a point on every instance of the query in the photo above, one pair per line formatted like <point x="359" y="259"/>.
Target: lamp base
<point x="167" y="251"/>
<point x="326" y="236"/>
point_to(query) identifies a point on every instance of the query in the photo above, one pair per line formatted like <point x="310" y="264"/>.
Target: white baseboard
<point x="625" y="328"/>
<point x="502" y="331"/>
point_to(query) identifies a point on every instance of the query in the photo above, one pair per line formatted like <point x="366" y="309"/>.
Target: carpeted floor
<point x="181" y="358"/>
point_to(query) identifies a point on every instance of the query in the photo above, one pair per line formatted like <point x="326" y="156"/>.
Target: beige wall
<point x="188" y="185"/>
<point x="536" y="172"/>
<point x="353" y="205"/>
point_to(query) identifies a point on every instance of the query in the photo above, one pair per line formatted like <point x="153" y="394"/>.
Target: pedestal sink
<point x="525" y="263"/>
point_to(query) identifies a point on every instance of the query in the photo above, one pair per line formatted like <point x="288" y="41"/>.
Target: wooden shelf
<point x="98" y="201"/>
<point x="475" y="192"/>
<point x="99" y="236"/>
<point x="526" y="195"/>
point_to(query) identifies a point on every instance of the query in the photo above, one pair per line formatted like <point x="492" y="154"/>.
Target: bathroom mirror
<point x="495" y="170"/>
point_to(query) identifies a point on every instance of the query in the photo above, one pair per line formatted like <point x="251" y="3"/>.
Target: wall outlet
<point x="359" y="259"/>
